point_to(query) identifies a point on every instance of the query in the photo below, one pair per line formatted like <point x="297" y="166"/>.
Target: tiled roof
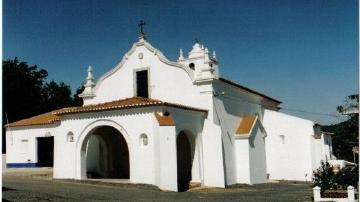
<point x="248" y="90"/>
<point x="246" y="125"/>
<point x="135" y="102"/>
<point x="42" y="119"/>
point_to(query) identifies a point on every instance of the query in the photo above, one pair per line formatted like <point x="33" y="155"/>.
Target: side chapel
<point x="169" y="123"/>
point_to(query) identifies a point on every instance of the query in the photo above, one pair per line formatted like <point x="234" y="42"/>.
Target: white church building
<point x="169" y="123"/>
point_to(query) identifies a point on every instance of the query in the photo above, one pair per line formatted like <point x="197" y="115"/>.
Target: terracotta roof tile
<point x="164" y="120"/>
<point x="246" y="125"/>
<point x="42" y="119"/>
<point x="135" y="102"/>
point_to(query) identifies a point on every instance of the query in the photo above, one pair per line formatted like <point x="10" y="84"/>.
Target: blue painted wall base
<point x="21" y="165"/>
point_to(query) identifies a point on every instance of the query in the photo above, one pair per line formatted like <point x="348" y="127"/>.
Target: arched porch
<point x="103" y="151"/>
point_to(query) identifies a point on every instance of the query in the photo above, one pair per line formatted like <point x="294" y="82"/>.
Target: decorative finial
<point x="88" y="91"/>
<point x="89" y="78"/>
<point x="141" y="25"/>
<point x="214" y="55"/>
<point x="181" y="57"/>
<point x="196" y="40"/>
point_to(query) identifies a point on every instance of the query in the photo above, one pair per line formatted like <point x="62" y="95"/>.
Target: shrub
<point x="324" y="177"/>
<point x="327" y="179"/>
<point x="348" y="176"/>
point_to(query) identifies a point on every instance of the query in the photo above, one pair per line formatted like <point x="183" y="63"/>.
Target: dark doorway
<point x="142" y="83"/>
<point x="107" y="154"/>
<point x="184" y="162"/>
<point x="45" y="150"/>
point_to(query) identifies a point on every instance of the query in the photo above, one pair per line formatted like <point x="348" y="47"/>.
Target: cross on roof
<point x="141" y="25"/>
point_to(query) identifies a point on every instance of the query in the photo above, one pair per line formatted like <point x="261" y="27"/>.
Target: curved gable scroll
<point x="156" y="52"/>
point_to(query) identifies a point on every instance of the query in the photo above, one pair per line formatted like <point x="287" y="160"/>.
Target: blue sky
<point x="304" y="53"/>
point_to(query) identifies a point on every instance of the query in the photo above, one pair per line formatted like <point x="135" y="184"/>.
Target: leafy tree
<point x="26" y="92"/>
<point x="346" y="132"/>
<point x="22" y="90"/>
<point x="78" y="101"/>
<point x="57" y="96"/>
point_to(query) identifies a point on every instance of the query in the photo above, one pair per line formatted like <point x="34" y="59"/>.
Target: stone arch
<point x="81" y="144"/>
<point x="185" y="150"/>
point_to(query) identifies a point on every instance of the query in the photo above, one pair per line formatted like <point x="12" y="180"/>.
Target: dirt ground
<point x="38" y="185"/>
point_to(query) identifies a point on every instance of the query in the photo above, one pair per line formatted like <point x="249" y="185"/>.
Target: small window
<point x="70" y="137"/>
<point x="144" y="141"/>
<point x="142" y="84"/>
<point x="192" y="66"/>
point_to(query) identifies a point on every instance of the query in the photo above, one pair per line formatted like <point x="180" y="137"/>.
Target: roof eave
<point x="249" y="90"/>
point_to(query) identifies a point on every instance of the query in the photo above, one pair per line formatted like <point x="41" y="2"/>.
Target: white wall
<point x="289" y="146"/>
<point x="323" y="149"/>
<point x="231" y="105"/>
<point x="67" y="154"/>
<point x="167" y="81"/>
<point x="242" y="160"/>
<point x="250" y="157"/>
<point x="21" y="142"/>
<point x="257" y="155"/>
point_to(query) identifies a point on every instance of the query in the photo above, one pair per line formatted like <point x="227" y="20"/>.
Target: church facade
<point x="169" y="123"/>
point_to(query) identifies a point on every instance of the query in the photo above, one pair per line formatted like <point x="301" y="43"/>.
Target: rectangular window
<point x="142" y="83"/>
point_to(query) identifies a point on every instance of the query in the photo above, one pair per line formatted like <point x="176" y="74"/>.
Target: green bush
<point x="348" y="176"/>
<point x="324" y="177"/>
<point x="327" y="179"/>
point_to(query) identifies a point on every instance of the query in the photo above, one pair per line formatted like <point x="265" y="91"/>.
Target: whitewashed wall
<point x="21" y="143"/>
<point x="167" y="81"/>
<point x="323" y="150"/>
<point x="250" y="157"/>
<point x="289" y="146"/>
<point x="257" y="155"/>
<point x="67" y="154"/>
<point x="231" y="105"/>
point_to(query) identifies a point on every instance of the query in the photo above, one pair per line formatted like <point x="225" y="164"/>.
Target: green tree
<point x="78" y="101"/>
<point x="56" y="96"/>
<point x="22" y="90"/>
<point x="26" y="92"/>
<point x="346" y="132"/>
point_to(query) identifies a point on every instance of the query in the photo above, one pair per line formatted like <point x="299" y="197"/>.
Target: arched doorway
<point x="184" y="161"/>
<point x="107" y="154"/>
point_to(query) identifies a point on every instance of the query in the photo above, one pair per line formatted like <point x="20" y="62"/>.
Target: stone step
<point x="194" y="185"/>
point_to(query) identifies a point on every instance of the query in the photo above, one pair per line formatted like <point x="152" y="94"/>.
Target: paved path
<point x="42" y="188"/>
